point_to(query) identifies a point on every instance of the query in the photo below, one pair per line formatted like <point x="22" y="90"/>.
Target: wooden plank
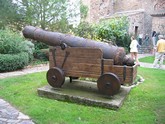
<point x="81" y="74"/>
<point x="80" y="52"/>
<point x="89" y="68"/>
<point x="85" y="52"/>
<point x="108" y="61"/>
<point x="77" y="55"/>
<point x="78" y="60"/>
<point x="70" y="63"/>
<point x="119" y="71"/>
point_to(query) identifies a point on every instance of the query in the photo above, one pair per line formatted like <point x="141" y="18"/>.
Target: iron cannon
<point x="118" y="54"/>
<point x="71" y="56"/>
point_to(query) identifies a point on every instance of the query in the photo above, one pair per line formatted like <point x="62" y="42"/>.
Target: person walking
<point x="160" y="52"/>
<point x="134" y="50"/>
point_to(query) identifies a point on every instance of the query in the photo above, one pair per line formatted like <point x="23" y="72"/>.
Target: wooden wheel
<point x="108" y="84"/>
<point x="55" y="77"/>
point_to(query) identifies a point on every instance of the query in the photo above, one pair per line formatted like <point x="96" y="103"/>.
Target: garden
<point x="145" y="103"/>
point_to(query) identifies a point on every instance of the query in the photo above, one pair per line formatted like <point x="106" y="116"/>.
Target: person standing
<point x="160" y="51"/>
<point x="140" y="38"/>
<point x="146" y="40"/>
<point x="134" y="50"/>
<point x="154" y="41"/>
<point x="154" y="38"/>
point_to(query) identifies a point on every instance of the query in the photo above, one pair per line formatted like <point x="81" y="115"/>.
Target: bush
<point x="115" y="30"/>
<point x="15" y="52"/>
<point x="84" y="30"/>
<point x="39" y="45"/>
<point x="38" y="52"/>
<point x="11" y="62"/>
<point x="29" y="48"/>
<point x="42" y="54"/>
<point x="10" y="42"/>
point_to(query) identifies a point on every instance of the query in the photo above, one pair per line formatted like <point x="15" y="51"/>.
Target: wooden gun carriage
<point x="71" y="56"/>
<point x="88" y="62"/>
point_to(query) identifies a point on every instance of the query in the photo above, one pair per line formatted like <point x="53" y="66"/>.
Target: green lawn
<point x="149" y="59"/>
<point x="144" y="105"/>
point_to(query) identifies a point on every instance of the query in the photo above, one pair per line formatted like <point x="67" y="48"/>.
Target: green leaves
<point x="115" y="30"/>
<point x="15" y="52"/>
<point x="84" y="30"/>
<point x="11" y="43"/>
<point x="43" y="13"/>
<point x="9" y="14"/>
<point x="11" y="62"/>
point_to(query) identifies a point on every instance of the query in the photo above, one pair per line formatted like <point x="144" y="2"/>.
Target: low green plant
<point x="144" y="105"/>
<point x="114" y="30"/>
<point x="84" y="30"/>
<point x="38" y="52"/>
<point x="39" y="45"/>
<point x="11" y="62"/>
<point x="15" y="51"/>
<point x="10" y="42"/>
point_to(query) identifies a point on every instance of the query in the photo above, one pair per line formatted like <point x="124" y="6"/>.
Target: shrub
<point x="29" y="48"/>
<point x="84" y="30"/>
<point x="115" y="30"/>
<point x="15" y="52"/>
<point x="10" y="42"/>
<point x="38" y="52"/>
<point x="39" y="45"/>
<point x="42" y="54"/>
<point x="11" y="62"/>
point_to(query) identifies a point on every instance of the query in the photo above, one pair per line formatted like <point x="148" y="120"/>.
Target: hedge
<point x="11" y="62"/>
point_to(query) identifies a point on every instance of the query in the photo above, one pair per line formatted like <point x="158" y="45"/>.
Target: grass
<point x="144" y="105"/>
<point x="148" y="59"/>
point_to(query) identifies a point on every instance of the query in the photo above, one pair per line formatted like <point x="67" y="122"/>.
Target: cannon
<point x="58" y="39"/>
<point x="71" y="56"/>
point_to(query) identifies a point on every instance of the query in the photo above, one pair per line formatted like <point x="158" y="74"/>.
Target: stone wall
<point x="125" y="5"/>
<point x="138" y="12"/>
<point x="159" y="24"/>
<point x="98" y="9"/>
<point x="159" y="5"/>
<point x="158" y="20"/>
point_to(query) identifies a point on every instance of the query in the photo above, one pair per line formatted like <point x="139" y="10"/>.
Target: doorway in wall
<point x="136" y="31"/>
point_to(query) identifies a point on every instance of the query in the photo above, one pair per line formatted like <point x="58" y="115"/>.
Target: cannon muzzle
<point x="118" y="54"/>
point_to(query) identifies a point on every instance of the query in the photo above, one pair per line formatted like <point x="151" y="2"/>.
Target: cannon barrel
<point x="56" y="39"/>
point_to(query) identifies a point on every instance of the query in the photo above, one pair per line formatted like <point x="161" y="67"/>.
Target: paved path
<point x="147" y="65"/>
<point x="27" y="70"/>
<point x="10" y="115"/>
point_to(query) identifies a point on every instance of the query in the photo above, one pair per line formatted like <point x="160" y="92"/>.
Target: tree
<point x="44" y="13"/>
<point x="8" y="13"/>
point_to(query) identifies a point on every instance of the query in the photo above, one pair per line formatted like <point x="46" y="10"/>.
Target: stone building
<point x="144" y="16"/>
<point x="158" y="17"/>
